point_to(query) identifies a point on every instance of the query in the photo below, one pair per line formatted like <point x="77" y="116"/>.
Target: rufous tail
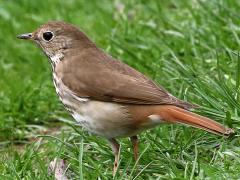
<point x="175" y="114"/>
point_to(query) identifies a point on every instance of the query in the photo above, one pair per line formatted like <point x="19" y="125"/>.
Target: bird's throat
<point x="55" y="59"/>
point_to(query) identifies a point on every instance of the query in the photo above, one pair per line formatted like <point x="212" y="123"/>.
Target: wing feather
<point x="96" y="75"/>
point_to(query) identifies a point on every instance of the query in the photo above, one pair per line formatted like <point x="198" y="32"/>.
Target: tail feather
<point x="178" y="115"/>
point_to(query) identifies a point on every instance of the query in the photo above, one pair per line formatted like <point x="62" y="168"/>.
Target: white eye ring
<point x="47" y="36"/>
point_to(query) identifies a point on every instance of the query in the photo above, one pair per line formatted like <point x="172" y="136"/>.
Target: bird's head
<point x="57" y="37"/>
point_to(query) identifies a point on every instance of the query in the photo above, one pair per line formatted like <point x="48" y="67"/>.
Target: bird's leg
<point x="134" y="140"/>
<point x="115" y="149"/>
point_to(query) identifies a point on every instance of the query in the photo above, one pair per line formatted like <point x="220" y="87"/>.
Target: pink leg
<point x="134" y="140"/>
<point x="115" y="149"/>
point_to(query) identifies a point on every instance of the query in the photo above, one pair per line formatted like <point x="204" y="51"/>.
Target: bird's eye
<point x="48" y="36"/>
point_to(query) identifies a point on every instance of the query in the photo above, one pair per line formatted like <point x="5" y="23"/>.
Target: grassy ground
<point x="189" y="47"/>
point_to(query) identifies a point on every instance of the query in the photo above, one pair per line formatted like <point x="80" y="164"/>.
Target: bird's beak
<point x="25" y="36"/>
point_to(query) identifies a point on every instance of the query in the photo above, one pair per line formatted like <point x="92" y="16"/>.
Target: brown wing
<point x="96" y="75"/>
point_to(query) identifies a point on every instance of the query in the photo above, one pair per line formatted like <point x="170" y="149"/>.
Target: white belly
<point x="102" y="118"/>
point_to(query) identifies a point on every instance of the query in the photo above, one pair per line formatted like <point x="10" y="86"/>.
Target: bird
<point x="106" y="96"/>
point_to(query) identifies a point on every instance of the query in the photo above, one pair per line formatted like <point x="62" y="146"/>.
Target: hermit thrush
<point x="106" y="96"/>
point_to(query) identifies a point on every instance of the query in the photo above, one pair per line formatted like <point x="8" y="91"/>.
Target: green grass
<point x="189" y="47"/>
